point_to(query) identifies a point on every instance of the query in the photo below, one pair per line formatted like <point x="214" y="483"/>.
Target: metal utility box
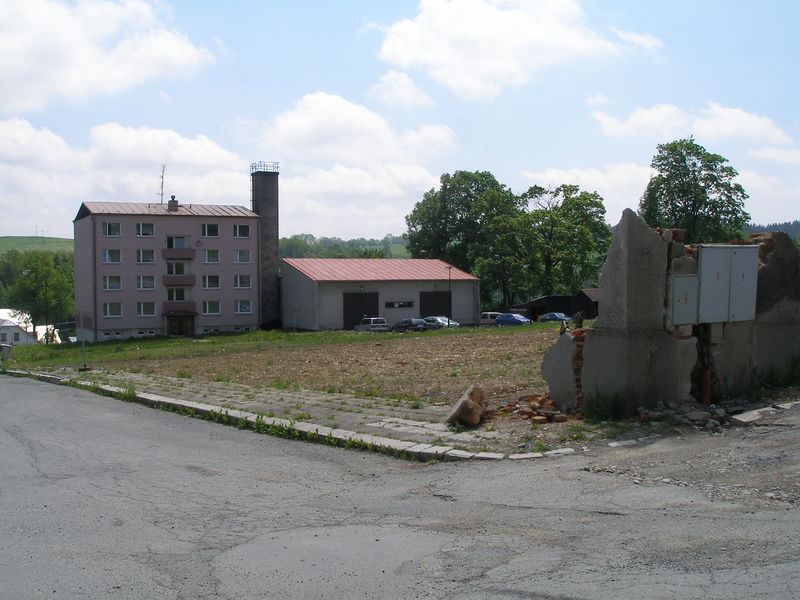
<point x="727" y="283"/>
<point x="684" y="299"/>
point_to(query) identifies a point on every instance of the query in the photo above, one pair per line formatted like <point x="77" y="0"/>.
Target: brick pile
<point x="539" y="409"/>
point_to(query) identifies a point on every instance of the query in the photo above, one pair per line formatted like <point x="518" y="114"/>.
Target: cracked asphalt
<point x="107" y="499"/>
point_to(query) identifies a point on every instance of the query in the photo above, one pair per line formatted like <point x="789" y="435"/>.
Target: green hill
<point x="24" y="243"/>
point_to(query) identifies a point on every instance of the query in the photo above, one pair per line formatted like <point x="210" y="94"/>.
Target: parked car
<point x="440" y="321"/>
<point x="372" y="324"/>
<point x="553" y="316"/>
<point x="487" y="318"/>
<point x="404" y="325"/>
<point x="510" y="319"/>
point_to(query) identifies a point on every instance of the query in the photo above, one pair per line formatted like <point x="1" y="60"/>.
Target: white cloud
<point x="648" y="42"/>
<point x="773" y="199"/>
<point x="328" y="128"/>
<point x="398" y="89"/>
<point x="368" y="174"/>
<point x="715" y="122"/>
<point x="478" y="47"/>
<point x="54" y="50"/>
<point x="620" y="184"/>
<point x="781" y="155"/>
<point x="661" y="120"/>
<point x="43" y="179"/>
<point x="597" y="100"/>
<point x="721" y="122"/>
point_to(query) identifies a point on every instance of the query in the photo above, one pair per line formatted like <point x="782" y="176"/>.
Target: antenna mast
<point x="161" y="195"/>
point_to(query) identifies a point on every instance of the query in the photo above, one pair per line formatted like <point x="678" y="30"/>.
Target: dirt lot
<point x="433" y="367"/>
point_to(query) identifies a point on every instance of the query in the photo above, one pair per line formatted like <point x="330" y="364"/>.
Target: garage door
<point x="357" y="305"/>
<point x="432" y="304"/>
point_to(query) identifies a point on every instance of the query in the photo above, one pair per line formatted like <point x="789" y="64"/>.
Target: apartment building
<point x="166" y="269"/>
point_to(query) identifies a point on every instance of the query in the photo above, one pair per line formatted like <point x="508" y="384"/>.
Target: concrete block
<point x="525" y="456"/>
<point x="460" y="454"/>
<point x="560" y="452"/>
<point x="557" y="371"/>
<point x="436" y="450"/>
<point x="621" y="443"/>
<point x="489" y="456"/>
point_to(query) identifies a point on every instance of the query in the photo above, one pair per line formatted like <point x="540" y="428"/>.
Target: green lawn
<point x="25" y="243"/>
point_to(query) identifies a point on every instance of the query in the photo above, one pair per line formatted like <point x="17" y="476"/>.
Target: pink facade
<point x="165" y="269"/>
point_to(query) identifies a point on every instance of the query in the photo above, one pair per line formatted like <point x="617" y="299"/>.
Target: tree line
<point x="540" y="242"/>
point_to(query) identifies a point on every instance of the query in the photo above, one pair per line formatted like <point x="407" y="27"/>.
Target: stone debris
<point x="470" y="409"/>
<point x="539" y="409"/>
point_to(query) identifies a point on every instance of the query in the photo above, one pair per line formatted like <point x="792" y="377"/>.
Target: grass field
<point x="432" y="366"/>
<point x="25" y="243"/>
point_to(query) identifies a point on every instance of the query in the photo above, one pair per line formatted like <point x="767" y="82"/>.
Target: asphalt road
<point x="106" y="499"/>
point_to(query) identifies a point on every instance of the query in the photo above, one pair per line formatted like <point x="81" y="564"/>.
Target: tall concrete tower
<point x="264" y="198"/>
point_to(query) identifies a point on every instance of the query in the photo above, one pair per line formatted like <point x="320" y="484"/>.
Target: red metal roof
<point x="377" y="269"/>
<point x="155" y="208"/>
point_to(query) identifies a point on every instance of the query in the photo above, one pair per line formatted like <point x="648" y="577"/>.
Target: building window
<point x="145" y="230"/>
<point x="112" y="282"/>
<point x="211" y="282"/>
<point x="241" y="282"/>
<point x="241" y="256"/>
<point x="243" y="307"/>
<point x="177" y="294"/>
<point x="211" y="256"/>
<point x="400" y="304"/>
<point x="211" y="307"/>
<point x="145" y="309"/>
<point x="145" y="282"/>
<point x="210" y="230"/>
<point x="112" y="309"/>
<point x="241" y="231"/>
<point x="146" y="256"/>
<point x="177" y="242"/>
<point x="176" y="268"/>
<point x="110" y="229"/>
<point x="16" y="336"/>
<point x="111" y="255"/>
<point x="2" y="337"/>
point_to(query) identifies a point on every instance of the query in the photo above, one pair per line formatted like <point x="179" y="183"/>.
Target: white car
<point x="372" y="324"/>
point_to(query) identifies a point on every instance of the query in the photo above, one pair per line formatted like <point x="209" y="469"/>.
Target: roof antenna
<point x="161" y="195"/>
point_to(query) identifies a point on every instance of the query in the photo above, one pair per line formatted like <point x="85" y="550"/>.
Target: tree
<point x="566" y="237"/>
<point x="43" y="287"/>
<point x="694" y="190"/>
<point x="449" y="223"/>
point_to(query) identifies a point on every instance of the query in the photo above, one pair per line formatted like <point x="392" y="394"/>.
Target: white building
<point x="336" y="293"/>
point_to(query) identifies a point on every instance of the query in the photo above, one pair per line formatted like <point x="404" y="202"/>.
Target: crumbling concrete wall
<point x="634" y="356"/>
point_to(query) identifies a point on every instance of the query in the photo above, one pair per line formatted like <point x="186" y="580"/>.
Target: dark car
<point x="553" y="316"/>
<point x="404" y="325"/>
<point x="510" y="319"/>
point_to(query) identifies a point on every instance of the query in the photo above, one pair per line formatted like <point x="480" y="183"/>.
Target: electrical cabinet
<point x="723" y="290"/>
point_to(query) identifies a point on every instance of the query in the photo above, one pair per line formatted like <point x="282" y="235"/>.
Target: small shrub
<point x="602" y="408"/>
<point x="183" y="374"/>
<point x="541" y="446"/>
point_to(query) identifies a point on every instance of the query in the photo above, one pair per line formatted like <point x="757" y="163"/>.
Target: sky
<point x="366" y="104"/>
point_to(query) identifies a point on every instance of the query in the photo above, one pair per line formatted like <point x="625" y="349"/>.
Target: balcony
<point x="177" y="253"/>
<point x="179" y="307"/>
<point x="178" y="280"/>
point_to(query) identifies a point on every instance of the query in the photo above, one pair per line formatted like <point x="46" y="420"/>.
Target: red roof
<point x="377" y="269"/>
<point x="155" y="208"/>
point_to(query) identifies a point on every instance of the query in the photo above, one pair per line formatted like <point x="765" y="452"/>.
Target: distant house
<point x="587" y="300"/>
<point x="12" y="330"/>
<point x="336" y="293"/>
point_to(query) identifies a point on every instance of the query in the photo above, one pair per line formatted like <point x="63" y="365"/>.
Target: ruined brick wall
<point x="633" y="353"/>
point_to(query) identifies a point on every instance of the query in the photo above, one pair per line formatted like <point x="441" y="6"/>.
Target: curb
<point x="294" y="429"/>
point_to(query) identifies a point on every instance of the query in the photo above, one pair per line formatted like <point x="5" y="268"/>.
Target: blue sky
<point x="365" y="104"/>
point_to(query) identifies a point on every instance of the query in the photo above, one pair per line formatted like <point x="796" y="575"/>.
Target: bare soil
<point x="433" y="366"/>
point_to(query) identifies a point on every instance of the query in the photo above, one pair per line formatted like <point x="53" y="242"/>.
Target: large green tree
<point x="693" y="189"/>
<point x="449" y="223"/>
<point x="566" y="237"/>
<point x="43" y="287"/>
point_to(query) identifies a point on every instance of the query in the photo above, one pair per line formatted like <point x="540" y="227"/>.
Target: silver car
<point x="442" y="321"/>
<point x="372" y="324"/>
